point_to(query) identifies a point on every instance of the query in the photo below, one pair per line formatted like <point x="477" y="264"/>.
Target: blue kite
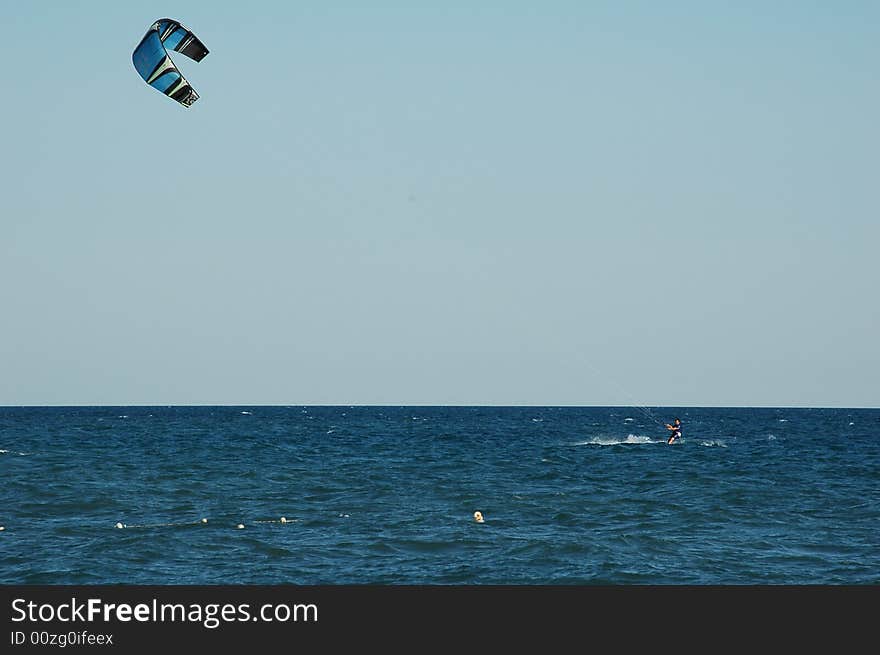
<point x="152" y="61"/>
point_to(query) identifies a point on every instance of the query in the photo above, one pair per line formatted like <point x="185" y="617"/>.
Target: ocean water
<point x="386" y="495"/>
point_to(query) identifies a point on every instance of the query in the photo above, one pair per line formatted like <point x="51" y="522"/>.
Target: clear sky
<point x="554" y="203"/>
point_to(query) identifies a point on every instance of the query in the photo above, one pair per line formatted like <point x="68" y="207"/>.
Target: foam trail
<point x="614" y="441"/>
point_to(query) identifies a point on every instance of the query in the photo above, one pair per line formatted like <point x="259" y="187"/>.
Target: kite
<point x="153" y="63"/>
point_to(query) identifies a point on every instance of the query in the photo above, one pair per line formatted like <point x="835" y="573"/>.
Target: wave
<point x="614" y="441"/>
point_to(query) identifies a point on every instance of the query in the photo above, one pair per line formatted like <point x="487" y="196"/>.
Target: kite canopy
<point x="151" y="59"/>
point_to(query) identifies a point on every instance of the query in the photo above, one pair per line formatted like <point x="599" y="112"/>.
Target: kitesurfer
<point x="675" y="428"/>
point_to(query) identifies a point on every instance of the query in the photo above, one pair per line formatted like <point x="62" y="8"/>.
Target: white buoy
<point x="283" y="520"/>
<point x="240" y="526"/>
<point x="478" y="516"/>
<point x="120" y="525"/>
<point x="204" y="520"/>
<point x="2" y="528"/>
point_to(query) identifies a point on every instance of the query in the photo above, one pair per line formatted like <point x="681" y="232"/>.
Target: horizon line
<point x="482" y="405"/>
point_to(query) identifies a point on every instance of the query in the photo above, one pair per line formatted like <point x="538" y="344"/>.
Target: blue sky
<point x="559" y="203"/>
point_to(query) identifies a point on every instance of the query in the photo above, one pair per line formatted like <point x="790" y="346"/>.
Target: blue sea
<point x="386" y="495"/>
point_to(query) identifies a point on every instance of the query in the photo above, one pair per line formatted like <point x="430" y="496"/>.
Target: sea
<point x="376" y="495"/>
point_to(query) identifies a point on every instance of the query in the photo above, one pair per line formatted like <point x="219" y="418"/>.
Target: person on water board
<point x="676" y="430"/>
